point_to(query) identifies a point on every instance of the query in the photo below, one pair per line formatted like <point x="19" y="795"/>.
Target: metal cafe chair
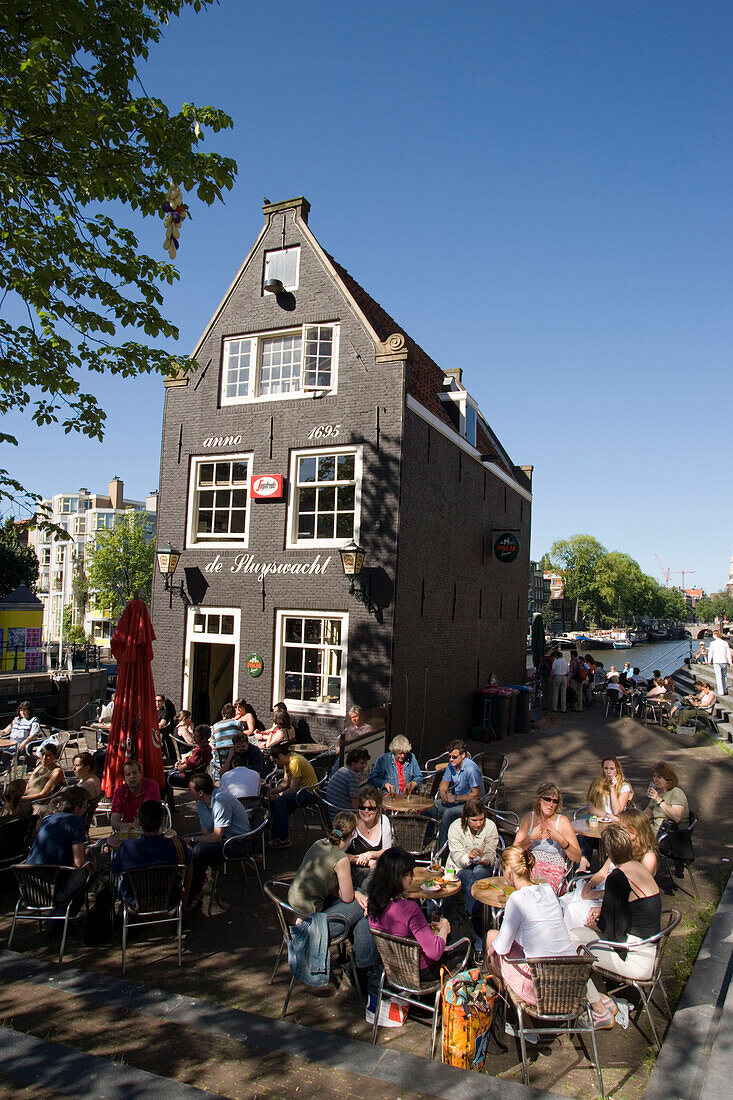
<point x="560" y="989"/>
<point x="338" y="931"/>
<point x="676" y="847"/>
<point x="157" y="899"/>
<point x="411" y="833"/>
<point x="39" y="885"/>
<point x="240" y="849"/>
<point x="403" y="978"/>
<point x="645" y="987"/>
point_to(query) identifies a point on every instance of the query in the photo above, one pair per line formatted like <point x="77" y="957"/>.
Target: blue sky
<point x="539" y="193"/>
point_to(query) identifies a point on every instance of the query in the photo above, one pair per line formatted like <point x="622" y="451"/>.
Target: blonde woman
<point x="643" y="840"/>
<point x="608" y="796"/>
<point x="549" y="835"/>
<point x="533" y="925"/>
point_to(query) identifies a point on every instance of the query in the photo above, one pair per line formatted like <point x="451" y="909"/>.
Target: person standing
<point x="166" y="723"/>
<point x="719" y="656"/>
<point x="559" y="682"/>
<point x="577" y="674"/>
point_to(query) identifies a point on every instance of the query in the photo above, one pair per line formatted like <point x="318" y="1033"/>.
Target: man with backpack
<point x="578" y="674"/>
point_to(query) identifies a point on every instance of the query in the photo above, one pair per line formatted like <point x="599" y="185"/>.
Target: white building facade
<point x="81" y="514"/>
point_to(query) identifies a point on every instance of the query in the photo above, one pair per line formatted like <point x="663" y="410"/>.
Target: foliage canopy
<point x="78" y="143"/>
<point x="120" y="562"/>
<point x="18" y="563"/>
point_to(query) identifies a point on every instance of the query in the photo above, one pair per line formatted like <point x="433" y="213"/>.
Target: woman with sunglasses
<point x="373" y="835"/>
<point x="549" y="836"/>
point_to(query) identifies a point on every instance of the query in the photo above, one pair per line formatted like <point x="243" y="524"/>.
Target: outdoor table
<point x="8" y="743"/>
<point x="584" y="828"/>
<point x="311" y="748"/>
<point x="424" y="874"/>
<point x="490" y="892"/>
<point x="407" y="803"/>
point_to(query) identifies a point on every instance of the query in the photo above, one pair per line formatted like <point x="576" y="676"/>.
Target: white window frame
<point x="462" y="400"/>
<point x="274" y="252"/>
<point x="278" y="683"/>
<point x="217" y="639"/>
<point x="193" y="542"/>
<point x="256" y="339"/>
<point x="293" y="542"/>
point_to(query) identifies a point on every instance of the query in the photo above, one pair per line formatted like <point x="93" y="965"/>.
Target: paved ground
<point x="228" y="956"/>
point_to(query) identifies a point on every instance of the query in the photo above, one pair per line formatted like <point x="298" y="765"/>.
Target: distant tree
<point x="120" y="562"/>
<point x="548" y="615"/>
<point x="73" y="631"/>
<point x="577" y="559"/>
<point x="674" y="605"/>
<point x="18" y="563"/>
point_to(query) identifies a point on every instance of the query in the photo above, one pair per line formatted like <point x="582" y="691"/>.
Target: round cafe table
<point x="311" y="748"/>
<point x="407" y="804"/>
<point x="424" y="874"/>
<point x="583" y="827"/>
<point x="8" y="743"/>
<point x="490" y="892"/>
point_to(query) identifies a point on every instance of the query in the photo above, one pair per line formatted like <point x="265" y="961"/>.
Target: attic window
<point x="462" y="412"/>
<point x="283" y="264"/>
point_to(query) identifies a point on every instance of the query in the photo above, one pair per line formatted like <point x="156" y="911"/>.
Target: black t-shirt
<point x="168" y="713"/>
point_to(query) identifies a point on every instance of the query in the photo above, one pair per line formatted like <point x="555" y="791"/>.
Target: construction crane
<point x="665" y="572"/>
<point x="684" y="573"/>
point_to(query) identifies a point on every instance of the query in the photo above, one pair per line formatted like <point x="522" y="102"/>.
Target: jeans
<point x="366" y="955"/>
<point x="178" y="780"/>
<point x="469" y="875"/>
<point x="204" y="856"/>
<point x="448" y="811"/>
<point x="283" y="806"/>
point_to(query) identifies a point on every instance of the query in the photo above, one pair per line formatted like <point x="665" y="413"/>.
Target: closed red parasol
<point x="134" y="734"/>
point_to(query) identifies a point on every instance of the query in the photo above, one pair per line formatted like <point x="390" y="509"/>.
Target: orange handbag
<point x="468" y="1013"/>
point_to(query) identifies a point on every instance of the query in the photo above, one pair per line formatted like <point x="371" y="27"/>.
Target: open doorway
<point x="212" y="648"/>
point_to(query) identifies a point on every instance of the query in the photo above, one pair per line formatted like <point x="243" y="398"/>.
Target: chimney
<point x="301" y="206"/>
<point x="116" y="488"/>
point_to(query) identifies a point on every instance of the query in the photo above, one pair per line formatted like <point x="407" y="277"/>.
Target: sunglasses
<point x="552" y="801"/>
<point x="367" y="807"/>
<point x="455" y="756"/>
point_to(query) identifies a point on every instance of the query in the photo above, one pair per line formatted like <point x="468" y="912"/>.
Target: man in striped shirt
<point x="222" y="733"/>
<point x="342" y="792"/>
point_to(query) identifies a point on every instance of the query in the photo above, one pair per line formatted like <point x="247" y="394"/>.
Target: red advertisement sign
<point x="267" y="487"/>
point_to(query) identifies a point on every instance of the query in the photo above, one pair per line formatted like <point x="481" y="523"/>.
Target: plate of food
<point x="430" y="887"/>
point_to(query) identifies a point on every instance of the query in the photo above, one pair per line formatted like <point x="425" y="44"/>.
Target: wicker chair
<point x="338" y="931"/>
<point x="560" y="990"/>
<point x="646" y="987"/>
<point x="402" y="977"/>
<point x="157" y="899"/>
<point x="39" y="886"/>
<point x="410" y="832"/>
<point x="240" y="849"/>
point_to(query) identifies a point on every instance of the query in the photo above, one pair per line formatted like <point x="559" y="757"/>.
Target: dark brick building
<point x="310" y="393"/>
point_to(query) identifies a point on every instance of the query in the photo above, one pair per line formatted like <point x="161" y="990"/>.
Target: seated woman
<point x="323" y="883"/>
<point x="631" y="912"/>
<point x="247" y="718"/>
<point x="643" y="841"/>
<point x="372" y="838"/>
<point x="13" y="806"/>
<point x="549" y="836"/>
<point x="702" y="701"/>
<point x="46" y="777"/>
<point x="472" y="842"/>
<point x="667" y="801"/>
<point x="86" y="775"/>
<point x="23" y="729"/>
<point x="608" y="796"/>
<point x="396" y="771"/>
<point x="184" y="727"/>
<point x="533" y="925"/>
<point x="282" y="729"/>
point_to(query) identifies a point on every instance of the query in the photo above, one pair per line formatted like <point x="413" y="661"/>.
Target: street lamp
<point x="168" y="560"/>
<point x="352" y="561"/>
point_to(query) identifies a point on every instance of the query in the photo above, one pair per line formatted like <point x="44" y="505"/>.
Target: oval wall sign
<point x="506" y="547"/>
<point x="255" y="664"/>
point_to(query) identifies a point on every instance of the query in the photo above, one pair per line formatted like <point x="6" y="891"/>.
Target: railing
<point x="671" y="661"/>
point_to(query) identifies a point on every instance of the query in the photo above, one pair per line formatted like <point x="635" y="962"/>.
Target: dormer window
<point x="464" y="414"/>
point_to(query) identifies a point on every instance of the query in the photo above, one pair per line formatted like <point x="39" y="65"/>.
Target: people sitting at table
<point x="342" y="791"/>
<point x="130" y="795"/>
<point x="151" y="849"/>
<point x="241" y="780"/>
<point x="245" y="714"/>
<point x="462" y="780"/>
<point x="701" y="702"/>
<point x="256" y="759"/>
<point x="197" y="760"/>
<point x="669" y="812"/>
<point x="472" y="842"/>
<point x="61" y="842"/>
<point x="86" y="775"/>
<point x="396" y="771"/>
<point x="533" y="925"/>
<point x="608" y="796"/>
<point x="323" y="883"/>
<point x="221" y="816"/>
<point x="296" y="788"/>
<point x="373" y="835"/>
<point x="630" y="912"/>
<point x="282" y="730"/>
<point x="23" y="729"/>
<point x="549" y="835"/>
<point x="184" y="727"/>
<point x="357" y="727"/>
<point x="47" y="776"/>
<point x="13" y="804"/>
<point x="223" y="732"/>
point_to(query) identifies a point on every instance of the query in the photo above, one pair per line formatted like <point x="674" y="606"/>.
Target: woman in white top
<point x="608" y="796"/>
<point x="472" y="842"/>
<point x="184" y="727"/>
<point x="533" y="925"/>
<point x="373" y="835"/>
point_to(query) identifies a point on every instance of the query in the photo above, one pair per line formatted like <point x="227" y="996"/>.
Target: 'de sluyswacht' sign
<point x="248" y="563"/>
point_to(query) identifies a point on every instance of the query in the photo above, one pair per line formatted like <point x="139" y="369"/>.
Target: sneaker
<point x="280" y="843"/>
<point x="391" y="1013"/>
<point x="599" y="1021"/>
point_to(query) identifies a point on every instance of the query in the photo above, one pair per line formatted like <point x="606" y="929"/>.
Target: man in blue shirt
<point x="61" y="842"/>
<point x="151" y="849"/>
<point x="462" y="780"/>
<point x="222" y="816"/>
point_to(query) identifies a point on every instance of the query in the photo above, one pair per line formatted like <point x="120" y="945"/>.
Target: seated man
<point x="61" y="842"/>
<point x="256" y="759"/>
<point x="240" y="780"/>
<point x="130" y="795"/>
<point x="222" y="733"/>
<point x="343" y="787"/>
<point x="357" y="727"/>
<point x="221" y="817"/>
<point x="461" y="781"/>
<point x="599" y="676"/>
<point x="294" y="789"/>
<point x="197" y="760"/>
<point x="150" y="849"/>
<point x="396" y="771"/>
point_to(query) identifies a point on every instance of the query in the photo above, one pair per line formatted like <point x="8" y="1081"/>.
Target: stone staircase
<point x="684" y="680"/>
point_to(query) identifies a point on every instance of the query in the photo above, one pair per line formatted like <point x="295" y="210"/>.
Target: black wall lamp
<point x="168" y="560"/>
<point x="352" y="561"/>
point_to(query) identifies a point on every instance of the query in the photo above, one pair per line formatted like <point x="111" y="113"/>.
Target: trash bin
<point x="523" y="700"/>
